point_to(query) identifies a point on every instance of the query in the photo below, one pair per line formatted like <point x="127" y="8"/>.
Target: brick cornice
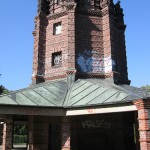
<point x="59" y="76"/>
<point x="95" y="75"/>
<point x="57" y="15"/>
<point x="70" y="71"/>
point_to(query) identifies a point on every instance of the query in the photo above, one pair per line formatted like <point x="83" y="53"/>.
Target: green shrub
<point x="20" y="138"/>
<point x="20" y="130"/>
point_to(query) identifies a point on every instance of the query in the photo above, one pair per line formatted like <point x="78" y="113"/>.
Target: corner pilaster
<point x="65" y="134"/>
<point x="7" y="134"/>
<point x="144" y="122"/>
<point x="30" y="134"/>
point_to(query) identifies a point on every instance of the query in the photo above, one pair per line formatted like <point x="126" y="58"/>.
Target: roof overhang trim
<point x="101" y="110"/>
<point x="15" y="110"/>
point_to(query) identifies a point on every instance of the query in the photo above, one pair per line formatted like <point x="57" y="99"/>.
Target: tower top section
<point x="55" y="6"/>
<point x="79" y="39"/>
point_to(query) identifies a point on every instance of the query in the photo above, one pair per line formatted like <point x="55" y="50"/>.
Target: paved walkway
<point x="17" y="147"/>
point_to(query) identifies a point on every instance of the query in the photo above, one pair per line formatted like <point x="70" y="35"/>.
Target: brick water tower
<point x="79" y="39"/>
<point x="79" y="48"/>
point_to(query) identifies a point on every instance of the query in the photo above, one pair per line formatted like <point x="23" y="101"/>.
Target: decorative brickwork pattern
<point x="144" y="123"/>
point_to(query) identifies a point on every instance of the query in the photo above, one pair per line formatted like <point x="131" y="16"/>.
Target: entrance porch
<point x="113" y="131"/>
<point x="91" y="114"/>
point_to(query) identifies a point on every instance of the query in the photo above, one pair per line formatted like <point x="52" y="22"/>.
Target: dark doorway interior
<point x="96" y="140"/>
<point x="107" y="132"/>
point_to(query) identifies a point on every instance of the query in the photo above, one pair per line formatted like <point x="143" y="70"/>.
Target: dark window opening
<point x="57" y="59"/>
<point x="114" y="64"/>
<point x="96" y="4"/>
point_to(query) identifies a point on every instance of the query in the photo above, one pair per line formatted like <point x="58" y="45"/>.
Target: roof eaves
<point x="98" y="105"/>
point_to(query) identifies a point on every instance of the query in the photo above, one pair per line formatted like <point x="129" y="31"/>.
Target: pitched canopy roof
<point x="83" y="92"/>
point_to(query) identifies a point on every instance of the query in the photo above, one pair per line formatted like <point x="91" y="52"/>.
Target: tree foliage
<point x="3" y="90"/>
<point x="20" y="130"/>
<point x="20" y="134"/>
<point x="147" y="87"/>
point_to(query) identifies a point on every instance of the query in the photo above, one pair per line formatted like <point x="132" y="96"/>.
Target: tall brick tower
<point x="79" y="39"/>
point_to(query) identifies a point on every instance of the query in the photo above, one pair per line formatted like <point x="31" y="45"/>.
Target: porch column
<point x="65" y="134"/>
<point x="7" y="134"/>
<point x="30" y="132"/>
<point x="1" y="130"/>
<point x="144" y="123"/>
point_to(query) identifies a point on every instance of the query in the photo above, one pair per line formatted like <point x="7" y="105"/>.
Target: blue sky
<point x="16" y="41"/>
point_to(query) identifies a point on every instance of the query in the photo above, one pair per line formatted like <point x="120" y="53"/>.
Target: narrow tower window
<point x="57" y="28"/>
<point x="56" y="59"/>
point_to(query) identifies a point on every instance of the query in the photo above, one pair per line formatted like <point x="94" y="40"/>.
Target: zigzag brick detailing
<point x="88" y="35"/>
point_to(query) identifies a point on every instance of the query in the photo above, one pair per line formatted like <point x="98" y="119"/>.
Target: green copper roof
<point x="46" y="94"/>
<point x="86" y="92"/>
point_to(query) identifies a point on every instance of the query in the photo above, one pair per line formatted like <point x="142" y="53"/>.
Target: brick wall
<point x="39" y="48"/>
<point x="7" y="140"/>
<point x="143" y="107"/>
<point x="88" y="40"/>
<point x="56" y="43"/>
<point x="44" y="133"/>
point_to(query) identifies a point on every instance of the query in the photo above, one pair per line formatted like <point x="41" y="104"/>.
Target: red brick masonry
<point x="144" y="122"/>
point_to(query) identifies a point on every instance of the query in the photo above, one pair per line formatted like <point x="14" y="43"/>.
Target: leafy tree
<point x="3" y="90"/>
<point x="147" y="87"/>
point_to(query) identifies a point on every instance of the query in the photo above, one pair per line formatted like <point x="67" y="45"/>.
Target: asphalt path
<point x="17" y="147"/>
